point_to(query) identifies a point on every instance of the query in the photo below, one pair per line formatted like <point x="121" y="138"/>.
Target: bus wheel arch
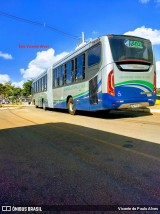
<point x="70" y="105"/>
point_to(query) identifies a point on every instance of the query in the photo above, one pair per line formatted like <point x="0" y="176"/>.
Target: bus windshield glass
<point x="131" y="48"/>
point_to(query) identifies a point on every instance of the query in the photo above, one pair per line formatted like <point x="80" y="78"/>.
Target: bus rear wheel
<point x="71" y="107"/>
<point x="43" y="105"/>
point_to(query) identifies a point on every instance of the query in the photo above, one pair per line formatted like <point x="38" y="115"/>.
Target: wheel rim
<point x="71" y="107"/>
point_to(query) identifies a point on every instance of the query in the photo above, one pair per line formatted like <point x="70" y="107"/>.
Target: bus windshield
<point x="131" y="48"/>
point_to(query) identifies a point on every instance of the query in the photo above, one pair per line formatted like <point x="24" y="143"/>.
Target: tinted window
<point x="40" y="85"/>
<point x="55" y="77"/>
<point x="73" y="69"/>
<point x="45" y="82"/>
<point x="124" y="47"/>
<point x="80" y="67"/>
<point x="94" y="55"/>
<point x="68" y="72"/>
<point x="60" y="75"/>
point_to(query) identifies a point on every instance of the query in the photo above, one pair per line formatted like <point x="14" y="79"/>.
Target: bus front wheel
<point x="71" y="107"/>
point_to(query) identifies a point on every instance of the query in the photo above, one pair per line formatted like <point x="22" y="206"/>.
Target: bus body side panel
<point x="79" y="92"/>
<point x="81" y="95"/>
<point x="40" y="98"/>
<point x="58" y="99"/>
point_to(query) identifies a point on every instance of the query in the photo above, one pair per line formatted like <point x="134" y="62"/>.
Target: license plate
<point x="135" y="105"/>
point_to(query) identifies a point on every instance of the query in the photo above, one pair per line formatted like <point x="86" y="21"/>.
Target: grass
<point x="11" y="105"/>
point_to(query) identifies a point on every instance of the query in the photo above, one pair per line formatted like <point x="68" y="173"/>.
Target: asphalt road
<point x="53" y="158"/>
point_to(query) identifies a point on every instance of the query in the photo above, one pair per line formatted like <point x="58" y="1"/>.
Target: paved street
<point x="50" y="158"/>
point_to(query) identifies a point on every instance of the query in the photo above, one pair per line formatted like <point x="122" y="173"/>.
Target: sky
<point x="29" y="48"/>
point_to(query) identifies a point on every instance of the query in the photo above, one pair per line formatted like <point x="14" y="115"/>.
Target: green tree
<point x="27" y="86"/>
<point x="17" y="92"/>
<point x="1" y="89"/>
<point x="8" y="89"/>
<point x="158" y="91"/>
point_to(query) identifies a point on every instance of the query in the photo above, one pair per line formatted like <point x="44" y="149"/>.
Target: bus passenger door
<point x="93" y="91"/>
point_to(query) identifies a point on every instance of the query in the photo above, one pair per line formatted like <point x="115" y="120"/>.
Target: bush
<point x="158" y="91"/>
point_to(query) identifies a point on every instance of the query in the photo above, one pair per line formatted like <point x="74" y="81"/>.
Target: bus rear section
<point x="132" y="73"/>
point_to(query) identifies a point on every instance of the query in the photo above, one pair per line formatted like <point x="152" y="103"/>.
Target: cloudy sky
<point x="27" y="48"/>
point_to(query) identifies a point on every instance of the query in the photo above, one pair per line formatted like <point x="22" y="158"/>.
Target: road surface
<point x="53" y="158"/>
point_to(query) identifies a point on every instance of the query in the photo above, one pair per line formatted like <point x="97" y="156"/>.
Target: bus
<point x="109" y="72"/>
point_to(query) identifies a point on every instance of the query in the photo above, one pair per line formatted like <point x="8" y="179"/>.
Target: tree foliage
<point x="8" y="91"/>
<point x="158" y="91"/>
<point x="27" y="86"/>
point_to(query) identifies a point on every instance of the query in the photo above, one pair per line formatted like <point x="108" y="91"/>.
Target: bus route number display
<point x="133" y="43"/>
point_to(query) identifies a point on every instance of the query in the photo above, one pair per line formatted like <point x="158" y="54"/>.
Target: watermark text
<point x="33" y="46"/>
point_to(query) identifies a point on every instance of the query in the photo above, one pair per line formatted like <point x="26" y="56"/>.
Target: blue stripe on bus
<point x="111" y="102"/>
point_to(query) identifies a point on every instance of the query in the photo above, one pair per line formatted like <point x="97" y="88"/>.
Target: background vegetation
<point x="14" y="94"/>
<point x="158" y="91"/>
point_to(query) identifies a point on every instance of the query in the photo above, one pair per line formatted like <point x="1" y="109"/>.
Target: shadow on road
<point x="60" y="163"/>
<point x="113" y="114"/>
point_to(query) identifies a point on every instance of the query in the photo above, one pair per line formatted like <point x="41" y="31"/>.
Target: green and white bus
<point x="110" y="72"/>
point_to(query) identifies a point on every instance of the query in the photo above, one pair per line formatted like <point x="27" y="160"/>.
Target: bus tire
<point x="71" y="107"/>
<point x="44" y="106"/>
<point x="34" y="103"/>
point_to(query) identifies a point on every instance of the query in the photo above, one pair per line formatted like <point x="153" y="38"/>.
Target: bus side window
<point x="80" y="67"/>
<point x="94" y="55"/>
<point x="42" y="83"/>
<point x="45" y="82"/>
<point x="62" y="71"/>
<point x="68" y="72"/>
<point x="33" y="88"/>
<point x="58" y="73"/>
<point x="37" y="86"/>
<point x="60" y="76"/>
<point x="73" y="71"/>
<point x="65" y="69"/>
<point x="55" y="78"/>
<point x="42" y="87"/>
<point x="84" y="66"/>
